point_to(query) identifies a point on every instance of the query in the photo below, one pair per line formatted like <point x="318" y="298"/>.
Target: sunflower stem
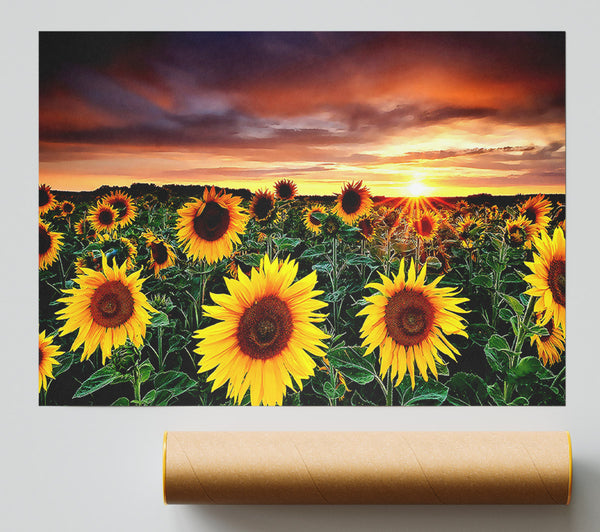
<point x="43" y="396"/>
<point x="62" y="272"/>
<point x="389" y="396"/>
<point x="137" y="386"/>
<point x="334" y="282"/>
<point x="497" y="275"/>
<point x="517" y="348"/>
<point x="160" y="348"/>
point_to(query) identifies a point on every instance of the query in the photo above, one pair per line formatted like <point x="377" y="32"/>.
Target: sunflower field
<point x="202" y="296"/>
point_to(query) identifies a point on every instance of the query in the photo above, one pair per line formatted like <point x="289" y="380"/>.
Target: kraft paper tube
<point x="367" y="467"/>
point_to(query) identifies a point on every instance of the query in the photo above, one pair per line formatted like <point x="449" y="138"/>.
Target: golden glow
<point x="417" y="189"/>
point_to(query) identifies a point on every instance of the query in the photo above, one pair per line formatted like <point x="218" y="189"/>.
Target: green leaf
<point x="149" y="397"/>
<point x="498" y="342"/>
<point x="322" y="267"/>
<point x="480" y="332"/>
<point x="511" y="278"/>
<point x="497" y="395"/>
<point x="160" y="319"/>
<point x="505" y="314"/>
<point x="431" y="392"/>
<point x="482" y="280"/>
<point x="355" y="260"/>
<point x="66" y="361"/>
<point x="250" y="259"/>
<point x="359" y="400"/>
<point x="338" y="295"/>
<point x="121" y="401"/>
<point x="537" y="330"/>
<point x="529" y="366"/>
<point x="145" y="369"/>
<point x="356" y="373"/>
<point x="285" y="242"/>
<point x="314" y="251"/>
<point x="497" y="359"/>
<point x="331" y="392"/>
<point x="469" y="388"/>
<point x="170" y="384"/>
<point x="514" y="304"/>
<point x="103" y="377"/>
<point x="519" y="401"/>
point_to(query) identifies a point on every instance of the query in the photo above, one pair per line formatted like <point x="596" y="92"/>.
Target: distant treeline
<point x="163" y="193"/>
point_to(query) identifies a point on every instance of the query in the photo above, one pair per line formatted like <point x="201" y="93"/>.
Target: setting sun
<point x="416" y="189"/>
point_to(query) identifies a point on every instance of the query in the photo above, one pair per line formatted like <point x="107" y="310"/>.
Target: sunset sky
<point x="459" y="113"/>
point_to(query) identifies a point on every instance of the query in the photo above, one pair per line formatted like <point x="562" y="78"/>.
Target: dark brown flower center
<point x="45" y="241"/>
<point x="105" y="217"/>
<point x="263" y="207"/>
<point x="425" y="227"/>
<point x="41" y="357"/>
<point x="111" y="304"/>
<point x="409" y="317"/>
<point x="120" y="205"/>
<point x="159" y="252"/>
<point x="314" y="220"/>
<point x="44" y="197"/>
<point x="68" y="208"/>
<point x="265" y="328"/>
<point x="366" y="228"/>
<point x="391" y="218"/>
<point x="212" y="223"/>
<point x="557" y="280"/>
<point x="531" y="214"/>
<point x="351" y="201"/>
<point x="285" y="191"/>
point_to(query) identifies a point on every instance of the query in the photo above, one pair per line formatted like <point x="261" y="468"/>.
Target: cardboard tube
<point x="367" y="467"/>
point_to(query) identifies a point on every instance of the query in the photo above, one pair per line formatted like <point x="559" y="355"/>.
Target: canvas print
<point x="298" y="218"/>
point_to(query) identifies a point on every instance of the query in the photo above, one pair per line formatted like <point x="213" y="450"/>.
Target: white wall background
<point x="97" y="469"/>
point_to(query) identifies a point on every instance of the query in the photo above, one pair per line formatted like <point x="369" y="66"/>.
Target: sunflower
<point x="161" y="254"/>
<point x="123" y="204"/>
<point x="311" y="222"/>
<point x="266" y="333"/>
<point x="102" y="217"/>
<point x="285" y="189"/>
<point x="536" y="211"/>
<point x="107" y="308"/>
<point x="467" y="227"/>
<point x="46" y="359"/>
<point x="391" y="218"/>
<point x="548" y="278"/>
<point x="66" y="208"/>
<point x="47" y="199"/>
<point x="353" y="202"/>
<point x="49" y="246"/>
<point x="367" y="230"/>
<point x="262" y="207"/>
<point x="519" y="231"/>
<point x="425" y="225"/>
<point x="408" y="322"/>
<point x="81" y="228"/>
<point x="208" y="228"/>
<point x="551" y="345"/>
<point x="331" y="226"/>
